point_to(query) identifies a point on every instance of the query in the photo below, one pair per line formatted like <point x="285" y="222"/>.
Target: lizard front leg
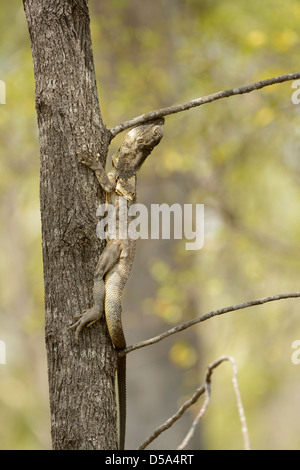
<point x="92" y="161"/>
<point x="109" y="257"/>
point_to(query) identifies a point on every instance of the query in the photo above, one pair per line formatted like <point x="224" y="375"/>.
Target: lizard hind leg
<point x="107" y="260"/>
<point x="90" y="316"/>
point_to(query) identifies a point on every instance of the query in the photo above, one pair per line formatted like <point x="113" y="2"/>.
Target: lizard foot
<point x="92" y="161"/>
<point x="88" y="159"/>
<point x="88" y="318"/>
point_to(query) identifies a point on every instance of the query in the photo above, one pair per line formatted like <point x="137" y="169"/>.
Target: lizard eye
<point x="156" y="131"/>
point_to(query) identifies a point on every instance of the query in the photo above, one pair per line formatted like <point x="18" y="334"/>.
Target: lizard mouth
<point x="139" y="143"/>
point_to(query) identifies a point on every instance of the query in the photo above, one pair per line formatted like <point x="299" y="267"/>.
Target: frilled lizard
<point x="115" y="262"/>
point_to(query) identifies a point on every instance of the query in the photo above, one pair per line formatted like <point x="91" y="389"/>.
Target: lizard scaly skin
<point x="115" y="262"/>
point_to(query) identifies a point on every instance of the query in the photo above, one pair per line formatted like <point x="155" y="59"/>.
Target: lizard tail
<point x="113" y="311"/>
<point x="121" y="375"/>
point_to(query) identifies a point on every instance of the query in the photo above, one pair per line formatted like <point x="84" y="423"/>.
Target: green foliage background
<point x="239" y="156"/>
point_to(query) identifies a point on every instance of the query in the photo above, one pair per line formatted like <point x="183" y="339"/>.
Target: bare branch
<point x="198" y="417"/>
<point x="183" y="408"/>
<point x="207" y="400"/>
<point x="205" y="317"/>
<point x="204" y="100"/>
<point x="206" y="388"/>
<point x="240" y="404"/>
<point x="173" y="418"/>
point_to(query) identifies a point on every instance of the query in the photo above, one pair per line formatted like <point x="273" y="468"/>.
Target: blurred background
<point x="238" y="156"/>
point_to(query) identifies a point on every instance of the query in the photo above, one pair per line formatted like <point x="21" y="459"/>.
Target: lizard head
<point x="137" y="145"/>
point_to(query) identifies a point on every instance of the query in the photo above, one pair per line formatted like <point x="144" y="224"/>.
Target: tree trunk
<point x="81" y="378"/>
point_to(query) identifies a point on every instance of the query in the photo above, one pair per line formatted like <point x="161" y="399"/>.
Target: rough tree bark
<point x="81" y="378"/>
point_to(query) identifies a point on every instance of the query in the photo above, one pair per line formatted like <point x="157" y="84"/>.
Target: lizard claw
<point x="88" y="159"/>
<point x="88" y="318"/>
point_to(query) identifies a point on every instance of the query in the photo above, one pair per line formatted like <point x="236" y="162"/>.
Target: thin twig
<point x="240" y="405"/>
<point x="205" y="317"/>
<point x="187" y="404"/>
<point x="198" y="417"/>
<point x="173" y="418"/>
<point x="206" y="388"/>
<point x="204" y="100"/>
<point x="207" y="400"/>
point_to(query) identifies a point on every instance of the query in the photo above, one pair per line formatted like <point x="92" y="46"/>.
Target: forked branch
<point x="204" y="100"/>
<point x="205" y="388"/>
